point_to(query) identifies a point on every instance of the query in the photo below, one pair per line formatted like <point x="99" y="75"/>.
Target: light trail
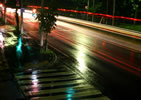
<point x="105" y="57"/>
<point x="90" y="13"/>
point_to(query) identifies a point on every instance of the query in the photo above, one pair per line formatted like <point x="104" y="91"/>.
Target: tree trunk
<point x="107" y="10"/>
<point x="5" y="19"/>
<point x="46" y="41"/>
<point x="17" y="21"/>
<point x="93" y="11"/>
<point x="113" y="19"/>
<point x="1" y="14"/>
<point x="135" y="15"/>
<point x="88" y="9"/>
<point x="41" y="35"/>
<point x="41" y="27"/>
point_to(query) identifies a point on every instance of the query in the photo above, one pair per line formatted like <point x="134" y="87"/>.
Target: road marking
<point x="56" y="84"/>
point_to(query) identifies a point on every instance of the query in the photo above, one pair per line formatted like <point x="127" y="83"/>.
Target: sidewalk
<point x="8" y="86"/>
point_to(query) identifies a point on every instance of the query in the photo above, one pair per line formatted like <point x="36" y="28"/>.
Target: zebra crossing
<point x="56" y="84"/>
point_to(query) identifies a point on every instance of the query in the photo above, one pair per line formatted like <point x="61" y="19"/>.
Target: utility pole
<point x="41" y="26"/>
<point x="22" y="10"/>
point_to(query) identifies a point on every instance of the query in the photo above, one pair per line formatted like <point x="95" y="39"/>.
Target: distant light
<point x="90" y="13"/>
<point x="34" y="10"/>
<point x="1" y="5"/>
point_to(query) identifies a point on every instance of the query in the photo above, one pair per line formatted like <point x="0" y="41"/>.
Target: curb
<point x="107" y="28"/>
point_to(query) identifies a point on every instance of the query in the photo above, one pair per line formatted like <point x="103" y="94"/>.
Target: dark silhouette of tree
<point x="47" y="18"/>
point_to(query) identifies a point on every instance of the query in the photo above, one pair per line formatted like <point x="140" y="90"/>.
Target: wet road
<point x="102" y="60"/>
<point x="112" y="63"/>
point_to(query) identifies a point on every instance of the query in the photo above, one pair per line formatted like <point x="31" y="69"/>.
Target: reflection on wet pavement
<point x="56" y="84"/>
<point x="81" y="58"/>
<point x="120" y="53"/>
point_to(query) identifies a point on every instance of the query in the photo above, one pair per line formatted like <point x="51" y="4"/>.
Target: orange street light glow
<point x="1" y="5"/>
<point x="34" y="10"/>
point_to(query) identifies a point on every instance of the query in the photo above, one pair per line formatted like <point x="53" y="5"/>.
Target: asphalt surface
<point x="106" y="61"/>
<point x="38" y="80"/>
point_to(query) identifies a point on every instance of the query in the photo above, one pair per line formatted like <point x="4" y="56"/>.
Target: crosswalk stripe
<point x="46" y="81"/>
<point x="63" y="90"/>
<point x="98" y="98"/>
<point x="53" y="87"/>
<point x="78" y="93"/>
<point x="56" y="84"/>
<point x="47" y="76"/>
<point x="40" y="72"/>
<point x="49" y="79"/>
<point x="67" y="98"/>
<point x="44" y="75"/>
<point x="52" y="84"/>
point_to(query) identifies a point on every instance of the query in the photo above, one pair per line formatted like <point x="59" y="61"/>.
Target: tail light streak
<point x="118" y="63"/>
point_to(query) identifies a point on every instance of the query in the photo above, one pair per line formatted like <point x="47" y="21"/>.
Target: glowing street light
<point x="34" y="13"/>
<point x="1" y="5"/>
<point x="34" y="10"/>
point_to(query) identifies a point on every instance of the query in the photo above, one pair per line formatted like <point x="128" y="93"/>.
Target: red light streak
<point x="106" y="57"/>
<point x="90" y="13"/>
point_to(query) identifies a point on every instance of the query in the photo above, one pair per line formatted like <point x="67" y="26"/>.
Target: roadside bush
<point x="1" y="21"/>
<point x="47" y="55"/>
